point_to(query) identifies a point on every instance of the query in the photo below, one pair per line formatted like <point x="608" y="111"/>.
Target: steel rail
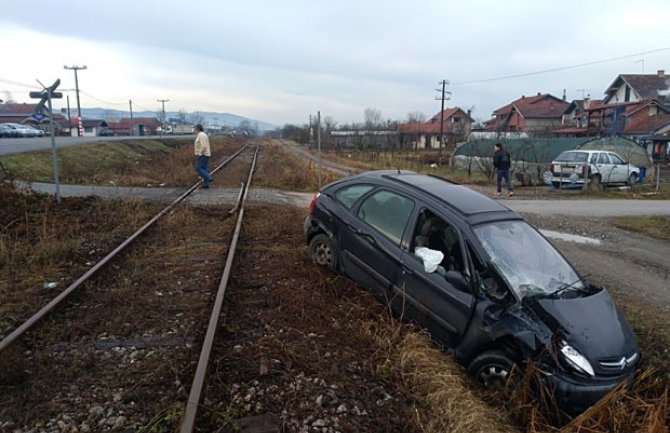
<point x="44" y="311"/>
<point x="188" y="421"/>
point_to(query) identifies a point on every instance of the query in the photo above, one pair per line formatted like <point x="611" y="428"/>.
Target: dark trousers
<point x="500" y="175"/>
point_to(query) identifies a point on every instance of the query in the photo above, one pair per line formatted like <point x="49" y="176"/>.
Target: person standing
<point x="202" y="154"/>
<point x="502" y="162"/>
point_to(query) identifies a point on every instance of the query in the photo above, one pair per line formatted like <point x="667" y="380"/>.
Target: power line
<point x="16" y="83"/>
<point x="101" y="100"/>
<point x="561" y="68"/>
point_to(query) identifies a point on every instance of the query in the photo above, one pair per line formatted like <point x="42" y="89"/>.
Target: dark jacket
<point x="501" y="160"/>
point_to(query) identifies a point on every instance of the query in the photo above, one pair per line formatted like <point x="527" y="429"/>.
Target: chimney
<point x="538" y="93"/>
<point x="564" y="97"/>
<point x="661" y="73"/>
<point x="587" y="103"/>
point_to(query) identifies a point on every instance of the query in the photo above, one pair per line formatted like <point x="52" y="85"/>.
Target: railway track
<point x="71" y="323"/>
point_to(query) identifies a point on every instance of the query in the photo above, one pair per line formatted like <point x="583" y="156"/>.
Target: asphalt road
<point x="567" y="207"/>
<point x="10" y="146"/>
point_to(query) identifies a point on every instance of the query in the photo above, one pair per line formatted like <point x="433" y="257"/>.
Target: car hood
<point x="592" y="324"/>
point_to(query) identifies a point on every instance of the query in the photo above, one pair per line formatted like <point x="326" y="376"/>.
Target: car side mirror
<point x="457" y="279"/>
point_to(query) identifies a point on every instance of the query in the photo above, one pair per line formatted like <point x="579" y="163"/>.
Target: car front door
<point x="604" y="166"/>
<point x="371" y="243"/>
<point x="619" y="169"/>
<point x="428" y="297"/>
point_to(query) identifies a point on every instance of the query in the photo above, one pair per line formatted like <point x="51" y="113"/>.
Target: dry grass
<point x="656" y="226"/>
<point x="280" y="169"/>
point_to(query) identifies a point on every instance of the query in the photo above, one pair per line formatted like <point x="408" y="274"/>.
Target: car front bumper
<point x="575" y="395"/>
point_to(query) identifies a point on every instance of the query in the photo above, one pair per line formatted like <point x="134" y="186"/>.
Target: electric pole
<point x="132" y="127"/>
<point x="76" y="89"/>
<point x="163" y="101"/>
<point x="443" y="95"/>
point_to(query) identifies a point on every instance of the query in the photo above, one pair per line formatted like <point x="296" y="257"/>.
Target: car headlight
<point x="575" y="359"/>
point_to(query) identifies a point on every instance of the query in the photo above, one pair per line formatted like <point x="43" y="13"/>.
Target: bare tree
<point x="373" y="118"/>
<point x="416" y="117"/>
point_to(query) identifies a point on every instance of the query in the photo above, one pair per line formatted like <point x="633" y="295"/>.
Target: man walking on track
<point x="202" y="154"/>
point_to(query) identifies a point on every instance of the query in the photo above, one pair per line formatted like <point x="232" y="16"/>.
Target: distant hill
<point x="208" y="118"/>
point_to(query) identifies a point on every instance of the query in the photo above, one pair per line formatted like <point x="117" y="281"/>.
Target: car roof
<point x="471" y="205"/>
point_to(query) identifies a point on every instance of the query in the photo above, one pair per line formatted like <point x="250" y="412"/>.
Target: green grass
<point x="79" y="161"/>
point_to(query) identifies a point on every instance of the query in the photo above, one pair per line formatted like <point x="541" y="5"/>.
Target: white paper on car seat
<point x="431" y="258"/>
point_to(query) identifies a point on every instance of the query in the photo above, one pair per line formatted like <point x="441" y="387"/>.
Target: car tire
<point x="632" y="179"/>
<point x="323" y="252"/>
<point x="595" y="183"/>
<point x="492" y="368"/>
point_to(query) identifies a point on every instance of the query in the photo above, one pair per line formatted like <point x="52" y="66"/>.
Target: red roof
<point x="540" y="105"/>
<point x="647" y="124"/>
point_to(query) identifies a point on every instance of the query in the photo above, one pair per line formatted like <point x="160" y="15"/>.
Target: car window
<point x="387" y="212"/>
<point x="616" y="159"/>
<point x="530" y="264"/>
<point x="603" y="158"/>
<point x="571" y="156"/>
<point x="435" y="233"/>
<point x="348" y="195"/>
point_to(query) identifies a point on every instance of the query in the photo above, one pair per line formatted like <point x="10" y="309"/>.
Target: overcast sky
<point x="280" y="61"/>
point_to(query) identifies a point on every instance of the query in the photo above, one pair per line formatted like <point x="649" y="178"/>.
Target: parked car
<point x="7" y="130"/>
<point x="106" y="132"/>
<point x="573" y="167"/>
<point x="20" y="130"/>
<point x="485" y="283"/>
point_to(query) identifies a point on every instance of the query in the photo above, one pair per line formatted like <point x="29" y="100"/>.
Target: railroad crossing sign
<point x="43" y="110"/>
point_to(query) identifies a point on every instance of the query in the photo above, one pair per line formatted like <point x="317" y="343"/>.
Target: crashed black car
<point x="487" y="285"/>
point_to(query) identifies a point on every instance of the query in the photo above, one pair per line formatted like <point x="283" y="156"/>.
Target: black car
<point x="485" y="283"/>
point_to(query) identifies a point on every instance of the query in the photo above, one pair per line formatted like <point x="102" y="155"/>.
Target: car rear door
<point x="427" y="297"/>
<point x="371" y="242"/>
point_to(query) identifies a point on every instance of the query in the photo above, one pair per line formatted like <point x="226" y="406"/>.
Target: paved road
<point x="10" y="146"/>
<point x="590" y="208"/>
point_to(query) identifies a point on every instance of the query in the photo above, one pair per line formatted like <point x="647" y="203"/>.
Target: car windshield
<point x="526" y="260"/>
<point x="572" y="157"/>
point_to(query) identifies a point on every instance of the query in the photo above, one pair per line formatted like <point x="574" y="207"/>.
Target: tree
<point x="416" y="117"/>
<point x="182" y="115"/>
<point x="248" y="128"/>
<point x="299" y="134"/>
<point x="373" y="118"/>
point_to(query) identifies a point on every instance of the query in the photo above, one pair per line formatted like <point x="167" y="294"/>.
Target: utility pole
<point x="443" y="95"/>
<point x="76" y="89"/>
<point x="163" y="101"/>
<point x="132" y="126"/>
<point x="318" y="142"/>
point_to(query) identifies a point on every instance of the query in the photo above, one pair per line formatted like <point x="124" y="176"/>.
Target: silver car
<point x="596" y="167"/>
<point x="20" y="130"/>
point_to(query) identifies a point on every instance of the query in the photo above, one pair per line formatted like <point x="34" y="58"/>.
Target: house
<point x="24" y="113"/>
<point x="536" y="115"/>
<point x="636" y="106"/>
<point x="89" y="127"/>
<point x="636" y="87"/>
<point x="136" y="126"/>
<point x="457" y="124"/>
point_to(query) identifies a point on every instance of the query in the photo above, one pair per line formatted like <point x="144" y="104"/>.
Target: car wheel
<point x="632" y="179"/>
<point x="322" y="251"/>
<point x="595" y="182"/>
<point x="492" y="368"/>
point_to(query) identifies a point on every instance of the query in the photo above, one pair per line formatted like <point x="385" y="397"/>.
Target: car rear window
<point x="573" y="157"/>
<point x="349" y="195"/>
